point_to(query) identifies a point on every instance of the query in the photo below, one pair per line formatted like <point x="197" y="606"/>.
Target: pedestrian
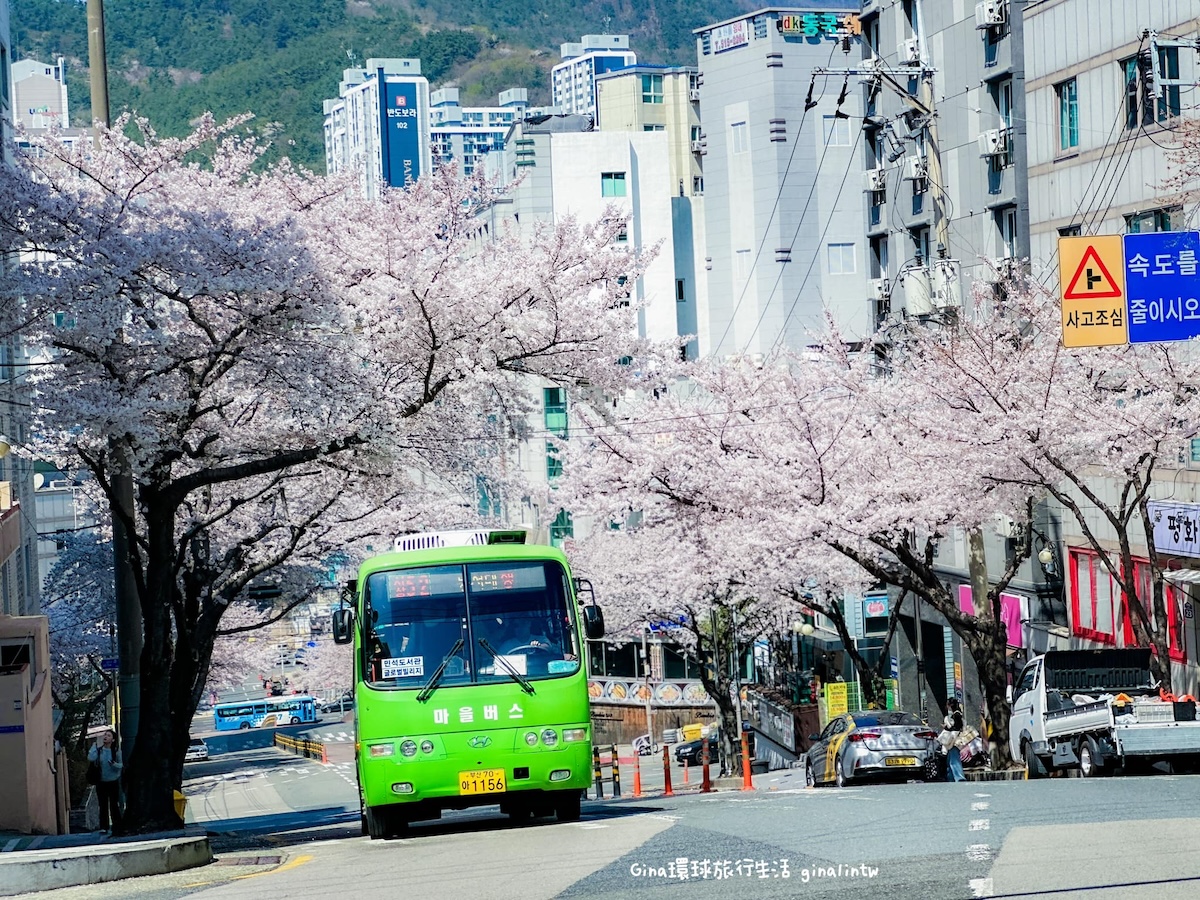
<point x="954" y="725"/>
<point x="106" y="753"/>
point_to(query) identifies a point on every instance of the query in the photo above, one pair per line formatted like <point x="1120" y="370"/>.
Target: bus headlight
<point x="378" y="750"/>
<point x="549" y="737"/>
<point x="426" y="746"/>
<point x="409" y="748"/>
<point x="531" y="738"/>
<point x="570" y="735"/>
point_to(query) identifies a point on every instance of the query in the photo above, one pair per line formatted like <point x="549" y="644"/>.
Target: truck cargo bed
<point x="1167" y="738"/>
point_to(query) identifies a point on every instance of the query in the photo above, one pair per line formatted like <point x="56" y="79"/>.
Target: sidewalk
<point x="42" y="862"/>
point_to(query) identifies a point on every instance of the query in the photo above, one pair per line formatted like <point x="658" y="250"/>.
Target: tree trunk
<point x="718" y="685"/>
<point x="988" y="649"/>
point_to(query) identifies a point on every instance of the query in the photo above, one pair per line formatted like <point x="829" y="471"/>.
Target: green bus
<point x="470" y="688"/>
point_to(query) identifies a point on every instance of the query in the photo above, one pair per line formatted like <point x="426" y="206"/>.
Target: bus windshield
<point x="511" y="617"/>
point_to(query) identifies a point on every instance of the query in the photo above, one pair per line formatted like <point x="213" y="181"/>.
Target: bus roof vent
<point x="428" y="540"/>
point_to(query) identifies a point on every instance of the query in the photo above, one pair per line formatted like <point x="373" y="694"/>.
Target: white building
<point x="467" y="133"/>
<point x="378" y="126"/>
<point x="573" y="81"/>
<point x="40" y="94"/>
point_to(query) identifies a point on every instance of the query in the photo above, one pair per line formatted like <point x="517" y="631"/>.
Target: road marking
<point x="197" y="884"/>
<point x="11" y="845"/>
<point x="979" y="825"/>
<point x="592" y="825"/>
<point x="979" y="852"/>
<point x="290" y="864"/>
<point x="979" y="807"/>
<point x="981" y="887"/>
<point x="983" y="795"/>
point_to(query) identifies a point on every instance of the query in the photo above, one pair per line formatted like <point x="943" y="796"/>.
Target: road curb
<point x="24" y="871"/>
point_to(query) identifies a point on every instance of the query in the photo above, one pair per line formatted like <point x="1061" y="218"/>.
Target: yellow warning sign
<point x="1091" y="272"/>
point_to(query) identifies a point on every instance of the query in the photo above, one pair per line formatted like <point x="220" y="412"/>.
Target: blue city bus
<point x="271" y="711"/>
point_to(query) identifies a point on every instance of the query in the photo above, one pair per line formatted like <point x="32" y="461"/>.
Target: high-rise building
<point x="573" y="81"/>
<point x="665" y="99"/>
<point x="378" y="126"/>
<point x="6" y="101"/>
<point x="782" y="164"/>
<point x="467" y="133"/>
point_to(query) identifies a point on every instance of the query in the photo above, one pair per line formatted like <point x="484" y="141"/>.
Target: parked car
<point x="197" y="749"/>
<point x="882" y="744"/>
<point x="691" y="751"/>
<point x="336" y="706"/>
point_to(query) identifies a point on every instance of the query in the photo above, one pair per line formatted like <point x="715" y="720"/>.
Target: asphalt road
<point x="288" y="827"/>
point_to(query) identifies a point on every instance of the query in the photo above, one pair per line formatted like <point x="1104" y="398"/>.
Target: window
<point x="695" y="133"/>
<point x="1068" y="114"/>
<point x="654" y="128"/>
<point x="1069" y="231"/>
<point x="1006" y="222"/>
<point x="561" y="528"/>
<point x="841" y="259"/>
<point x="697" y="185"/>
<point x="652" y="89"/>
<point x="1172" y="601"/>
<point x="554" y="465"/>
<point x="741" y="265"/>
<point x="555" y="402"/>
<point x="1152" y="220"/>
<point x="920" y="239"/>
<point x="739" y="137"/>
<point x="4" y="102"/>
<point x="612" y="184"/>
<point x="680" y="293"/>
<point x="1142" y="107"/>
<point x="837" y="131"/>
<point x="1093" y="613"/>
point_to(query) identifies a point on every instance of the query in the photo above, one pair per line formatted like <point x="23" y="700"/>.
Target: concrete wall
<point x="28" y="800"/>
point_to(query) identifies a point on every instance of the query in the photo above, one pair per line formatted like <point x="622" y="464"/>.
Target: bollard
<point x="685" y="771"/>
<point x="667" y="792"/>
<point x="616" y="773"/>
<point x="747" y="779"/>
<point x="637" y="775"/>
<point x="705" y="782"/>
<point x="598" y="774"/>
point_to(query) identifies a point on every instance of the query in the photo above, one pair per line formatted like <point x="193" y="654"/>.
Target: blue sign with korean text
<point x="110" y="664"/>
<point x="401" y="133"/>
<point x="1162" y="289"/>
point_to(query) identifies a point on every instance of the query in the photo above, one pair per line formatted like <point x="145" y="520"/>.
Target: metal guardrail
<point x="301" y="747"/>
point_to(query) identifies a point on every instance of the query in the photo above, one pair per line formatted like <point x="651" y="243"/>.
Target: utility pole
<point x="129" y="612"/>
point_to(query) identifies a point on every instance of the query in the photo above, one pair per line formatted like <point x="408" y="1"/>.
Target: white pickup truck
<point x="1097" y="710"/>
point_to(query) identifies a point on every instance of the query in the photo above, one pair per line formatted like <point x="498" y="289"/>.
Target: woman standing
<point x="106" y="753"/>
<point x="954" y="725"/>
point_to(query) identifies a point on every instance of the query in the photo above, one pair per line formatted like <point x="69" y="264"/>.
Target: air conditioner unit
<point x="875" y="179"/>
<point x="918" y="300"/>
<point x="1009" y="528"/>
<point x="990" y="13"/>
<point x="916" y="167"/>
<point x="881" y="289"/>
<point x="697" y="146"/>
<point x="909" y="51"/>
<point x="991" y="143"/>
<point x="694" y="94"/>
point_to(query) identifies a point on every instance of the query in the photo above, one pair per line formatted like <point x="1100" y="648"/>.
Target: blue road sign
<point x="1162" y="287"/>
<point x="669" y="624"/>
<point x="110" y="664"/>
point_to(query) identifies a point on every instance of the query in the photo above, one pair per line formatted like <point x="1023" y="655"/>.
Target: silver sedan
<point x="883" y="744"/>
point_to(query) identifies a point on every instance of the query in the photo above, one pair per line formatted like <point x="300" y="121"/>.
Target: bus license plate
<point x="900" y="761"/>
<point x="481" y="781"/>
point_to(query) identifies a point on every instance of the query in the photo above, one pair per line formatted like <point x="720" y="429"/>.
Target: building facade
<point x="783" y="220"/>
<point x="573" y="81"/>
<point x="466" y="134"/>
<point x="665" y="99"/>
<point x="40" y="94"/>
<point x="378" y="127"/>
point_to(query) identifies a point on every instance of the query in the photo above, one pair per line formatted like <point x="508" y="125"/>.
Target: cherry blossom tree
<point x="283" y="366"/>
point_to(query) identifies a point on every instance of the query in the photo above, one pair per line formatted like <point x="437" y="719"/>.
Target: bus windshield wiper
<point x="508" y="667"/>
<point x="432" y="683"/>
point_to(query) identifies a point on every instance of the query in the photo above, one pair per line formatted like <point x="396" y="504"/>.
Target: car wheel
<point x="1089" y="767"/>
<point x="1033" y="765"/>
<point x="383" y="822"/>
<point x="809" y="779"/>
<point x="567" y="807"/>
<point x="842" y="780"/>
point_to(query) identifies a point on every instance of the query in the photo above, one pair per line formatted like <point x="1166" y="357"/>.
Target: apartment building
<point x="40" y="94"/>
<point x="466" y="134"/>
<point x="665" y="99"/>
<point x="779" y="142"/>
<point x="379" y="125"/>
<point x="573" y="81"/>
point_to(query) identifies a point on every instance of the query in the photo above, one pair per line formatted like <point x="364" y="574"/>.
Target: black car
<point x="691" y="751"/>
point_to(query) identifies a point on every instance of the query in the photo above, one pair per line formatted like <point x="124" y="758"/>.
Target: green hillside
<point x="171" y="60"/>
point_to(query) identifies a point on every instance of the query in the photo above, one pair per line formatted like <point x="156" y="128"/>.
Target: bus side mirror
<point x="343" y="625"/>
<point x="593" y="622"/>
